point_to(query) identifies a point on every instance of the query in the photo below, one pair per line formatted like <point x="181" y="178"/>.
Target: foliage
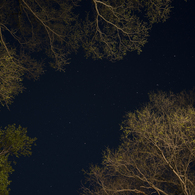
<point x="41" y="26"/>
<point x="13" y="141"/>
<point x="118" y="26"/>
<point x="10" y="79"/>
<point x="12" y="71"/>
<point x="156" y="154"/>
<point x="35" y="31"/>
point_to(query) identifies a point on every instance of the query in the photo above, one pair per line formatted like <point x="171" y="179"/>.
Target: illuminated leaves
<point x="14" y="142"/>
<point x="156" y="153"/>
<point x="53" y="31"/>
<point x="120" y="26"/>
<point x="11" y="78"/>
<point x="36" y="30"/>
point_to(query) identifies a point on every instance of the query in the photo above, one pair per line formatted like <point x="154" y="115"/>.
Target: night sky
<point x="76" y="114"/>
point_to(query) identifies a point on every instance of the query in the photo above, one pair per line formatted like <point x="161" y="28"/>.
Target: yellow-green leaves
<point x="11" y="77"/>
<point x="13" y="141"/>
<point x="5" y="170"/>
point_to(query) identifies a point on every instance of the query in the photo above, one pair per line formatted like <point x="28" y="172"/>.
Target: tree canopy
<point x="35" y="31"/>
<point x="119" y="26"/>
<point x="13" y="142"/>
<point x="156" y="154"/>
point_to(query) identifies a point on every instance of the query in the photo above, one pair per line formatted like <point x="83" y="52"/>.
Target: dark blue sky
<point x="76" y="114"/>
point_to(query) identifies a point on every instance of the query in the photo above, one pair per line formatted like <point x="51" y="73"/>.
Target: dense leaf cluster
<point x="13" y="142"/>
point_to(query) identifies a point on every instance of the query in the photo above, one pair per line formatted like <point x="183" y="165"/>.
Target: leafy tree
<point x="118" y="26"/>
<point x="12" y="71"/>
<point x="47" y="26"/>
<point x="32" y="31"/>
<point x="13" y="141"/>
<point x="156" y="154"/>
<point x="29" y="31"/>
